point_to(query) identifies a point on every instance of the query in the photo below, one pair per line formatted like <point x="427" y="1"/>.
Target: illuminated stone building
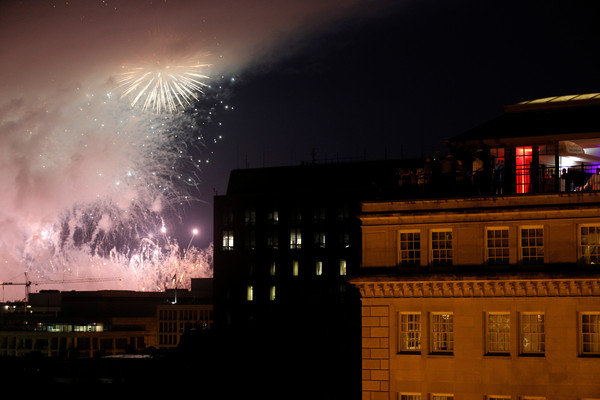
<point x="495" y="294"/>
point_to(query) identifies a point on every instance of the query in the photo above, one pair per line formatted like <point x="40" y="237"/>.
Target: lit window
<point x="410" y="331"/>
<point x="532" y="245"/>
<point x="273" y="216"/>
<point x="320" y="240"/>
<point x="435" y="396"/>
<point x="410" y="248"/>
<point x="590" y="333"/>
<point x="498" y="333"/>
<point x="532" y="333"/>
<point x="273" y="268"/>
<point x="227" y="240"/>
<point x="319" y="268"/>
<point x="295" y="238"/>
<point x="272" y="293"/>
<point x="295" y="268"/>
<point x="523" y="162"/>
<point x="250" y="293"/>
<point x="442" y="333"/>
<point x="410" y="396"/>
<point x="441" y="247"/>
<point x="497" y="397"/>
<point x="589" y="244"/>
<point x="497" y="250"/>
<point x="342" y="267"/>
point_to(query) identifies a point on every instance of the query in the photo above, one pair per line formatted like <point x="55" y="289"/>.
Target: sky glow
<point x="97" y="158"/>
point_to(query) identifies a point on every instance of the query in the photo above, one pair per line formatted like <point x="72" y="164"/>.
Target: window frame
<point x="409" y="261"/>
<point x="488" y="248"/>
<point x="436" y="260"/>
<point x="228" y="240"/>
<point x="434" y="342"/>
<point x="580" y="247"/>
<point x="523" y="335"/>
<point x="409" y="396"/>
<point x="295" y="238"/>
<point x="522" y="248"/>
<point x="581" y="334"/>
<point x="489" y="350"/>
<point x="402" y="333"/>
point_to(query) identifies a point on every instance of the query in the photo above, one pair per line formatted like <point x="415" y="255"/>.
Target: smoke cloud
<point x="82" y="172"/>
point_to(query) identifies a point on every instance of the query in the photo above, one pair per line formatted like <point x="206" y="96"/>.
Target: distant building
<point x="494" y="295"/>
<point x="285" y="240"/>
<point x="103" y="323"/>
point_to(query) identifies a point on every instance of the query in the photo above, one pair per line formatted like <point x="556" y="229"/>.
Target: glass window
<point x="295" y="238"/>
<point x="532" y="333"/>
<point x="590" y="333"/>
<point x="320" y="240"/>
<point x="410" y="396"/>
<point x="272" y="238"/>
<point x="410" y="331"/>
<point x="295" y="268"/>
<point x="497" y="250"/>
<point x="523" y="162"/>
<point x="272" y="293"/>
<point x="250" y="293"/>
<point x="342" y="267"/>
<point x="319" y="268"/>
<point x="250" y="217"/>
<point x="410" y="248"/>
<point x="435" y="396"/>
<point x="227" y="240"/>
<point x="441" y="247"/>
<point x="532" y="245"/>
<point x="442" y="333"/>
<point x="498" y="332"/>
<point x="589" y="244"/>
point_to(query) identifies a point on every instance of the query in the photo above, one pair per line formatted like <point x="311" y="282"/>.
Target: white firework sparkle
<point x="164" y="88"/>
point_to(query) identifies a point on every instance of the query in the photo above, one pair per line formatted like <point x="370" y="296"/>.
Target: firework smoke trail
<point x="89" y="182"/>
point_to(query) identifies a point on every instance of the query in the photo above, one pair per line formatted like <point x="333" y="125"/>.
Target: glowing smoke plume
<point x="90" y="183"/>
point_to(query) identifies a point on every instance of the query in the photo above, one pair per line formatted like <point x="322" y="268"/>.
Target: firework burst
<point x="164" y="88"/>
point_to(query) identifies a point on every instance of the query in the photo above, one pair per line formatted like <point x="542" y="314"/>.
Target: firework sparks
<point x="164" y="88"/>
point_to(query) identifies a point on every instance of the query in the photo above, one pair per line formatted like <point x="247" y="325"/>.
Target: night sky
<point x="400" y="83"/>
<point x="302" y="80"/>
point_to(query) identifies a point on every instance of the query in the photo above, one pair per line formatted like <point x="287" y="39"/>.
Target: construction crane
<point x="28" y="283"/>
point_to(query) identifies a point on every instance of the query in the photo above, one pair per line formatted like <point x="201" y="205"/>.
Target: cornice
<point x="584" y="287"/>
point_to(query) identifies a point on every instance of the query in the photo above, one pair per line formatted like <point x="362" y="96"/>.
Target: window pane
<point x="589" y="244"/>
<point x="410" y="331"/>
<point x="497" y="246"/>
<point x="498" y="333"/>
<point x="590" y="333"/>
<point x="441" y="248"/>
<point x="442" y="332"/>
<point x="532" y="246"/>
<point x="532" y="333"/>
<point x="410" y="248"/>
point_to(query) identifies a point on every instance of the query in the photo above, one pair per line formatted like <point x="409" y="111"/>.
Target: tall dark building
<point x="285" y="239"/>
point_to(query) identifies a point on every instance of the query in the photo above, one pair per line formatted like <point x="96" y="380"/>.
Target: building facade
<point x="70" y="325"/>
<point x="494" y="294"/>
